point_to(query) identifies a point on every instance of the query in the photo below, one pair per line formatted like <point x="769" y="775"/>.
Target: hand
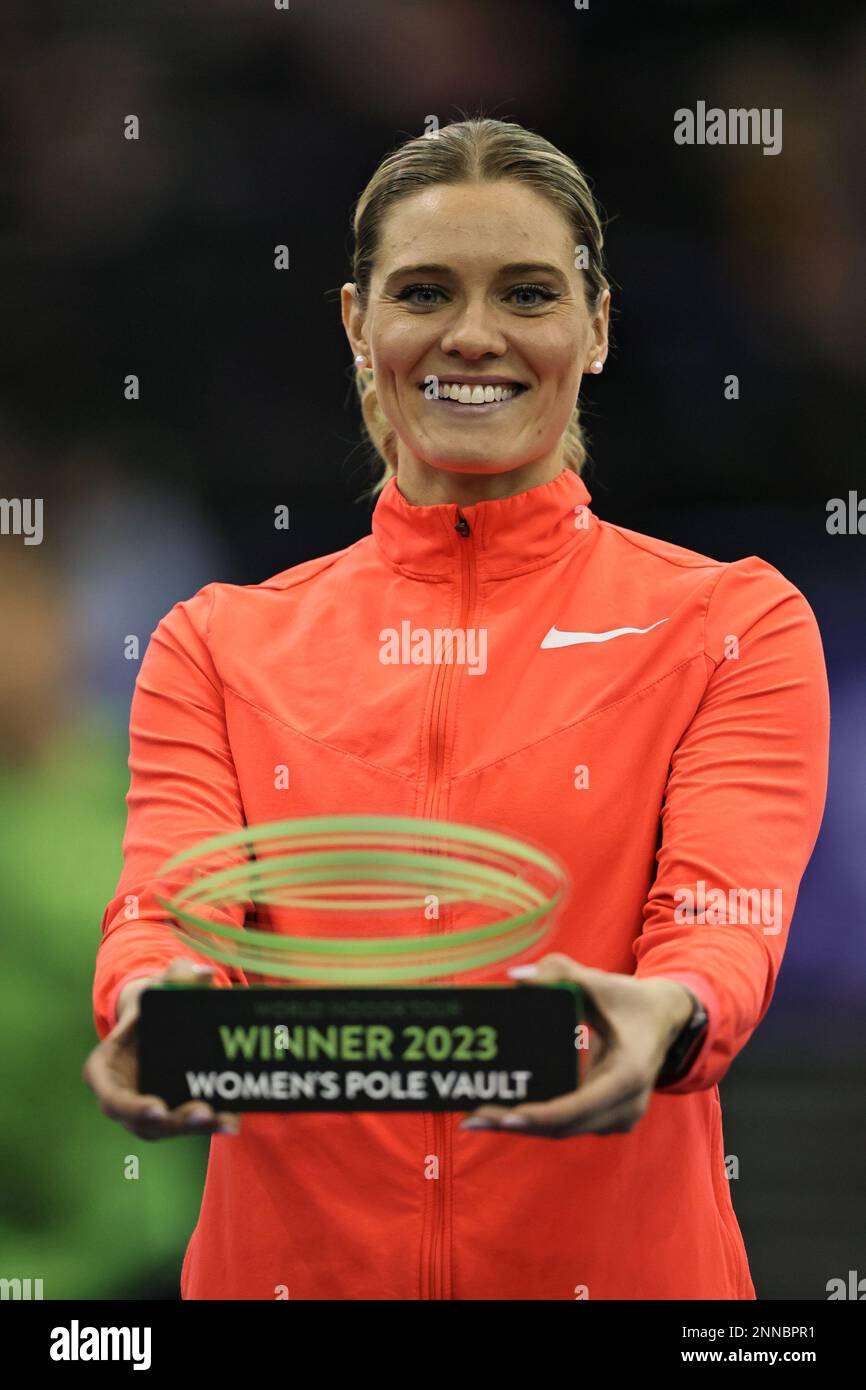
<point x="633" y="1023"/>
<point x="111" y="1070"/>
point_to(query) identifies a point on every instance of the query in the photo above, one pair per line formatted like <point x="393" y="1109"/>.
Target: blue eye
<point x="544" y="293"/>
<point x="411" y="290"/>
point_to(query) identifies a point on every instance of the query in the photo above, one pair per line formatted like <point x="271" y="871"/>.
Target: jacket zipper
<point x="436" y="1273"/>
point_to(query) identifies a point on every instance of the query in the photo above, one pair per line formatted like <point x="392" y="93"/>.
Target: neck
<point x="423" y="485"/>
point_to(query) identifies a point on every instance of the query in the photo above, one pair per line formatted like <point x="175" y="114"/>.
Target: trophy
<point x="348" y="1000"/>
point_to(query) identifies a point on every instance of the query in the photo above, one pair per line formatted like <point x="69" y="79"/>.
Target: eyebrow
<point x="513" y="268"/>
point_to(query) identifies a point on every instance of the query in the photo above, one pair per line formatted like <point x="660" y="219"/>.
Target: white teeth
<point x="474" y="395"/>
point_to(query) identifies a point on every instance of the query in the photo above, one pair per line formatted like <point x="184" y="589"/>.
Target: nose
<point x="473" y="332"/>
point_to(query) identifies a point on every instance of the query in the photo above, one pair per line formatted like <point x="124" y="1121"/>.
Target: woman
<point x="657" y="718"/>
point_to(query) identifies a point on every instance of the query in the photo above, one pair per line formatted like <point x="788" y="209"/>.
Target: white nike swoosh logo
<point x="555" y="638"/>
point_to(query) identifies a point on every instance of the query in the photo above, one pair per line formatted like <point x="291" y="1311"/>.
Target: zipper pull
<point x="461" y="525"/>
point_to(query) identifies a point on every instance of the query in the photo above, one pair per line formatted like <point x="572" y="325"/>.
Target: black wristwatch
<point x="685" y="1046"/>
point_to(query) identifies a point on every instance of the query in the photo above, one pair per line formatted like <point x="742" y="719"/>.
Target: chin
<point x="480" y="459"/>
<point x="475" y="465"/>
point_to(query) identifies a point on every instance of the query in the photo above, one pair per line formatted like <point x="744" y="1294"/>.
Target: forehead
<point x="475" y="223"/>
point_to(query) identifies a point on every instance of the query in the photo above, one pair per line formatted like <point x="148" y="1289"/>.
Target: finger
<point x="193" y="1117"/>
<point x="188" y="972"/>
<point x="172" y="1128"/>
<point x="196" y="1117"/>
<point x="558" y="968"/>
<point x="157" y="1121"/>
<point x="617" y="1120"/>
<point x="612" y="1084"/>
<point x="620" y="1120"/>
<point x="548" y="971"/>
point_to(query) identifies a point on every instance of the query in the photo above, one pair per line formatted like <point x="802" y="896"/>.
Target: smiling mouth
<point x="476" y="398"/>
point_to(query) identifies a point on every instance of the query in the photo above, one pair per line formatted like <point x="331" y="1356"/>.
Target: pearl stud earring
<point x="360" y="360"/>
<point x="597" y="366"/>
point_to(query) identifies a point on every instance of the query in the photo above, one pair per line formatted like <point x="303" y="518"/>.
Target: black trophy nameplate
<point x="438" y="1048"/>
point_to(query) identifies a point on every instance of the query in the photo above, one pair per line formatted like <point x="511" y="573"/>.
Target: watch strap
<point x="685" y="1045"/>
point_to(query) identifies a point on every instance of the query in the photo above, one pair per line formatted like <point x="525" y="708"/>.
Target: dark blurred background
<point x="260" y="127"/>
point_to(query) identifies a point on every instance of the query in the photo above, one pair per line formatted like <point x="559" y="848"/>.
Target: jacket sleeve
<point x="183" y="788"/>
<point x="743" y="805"/>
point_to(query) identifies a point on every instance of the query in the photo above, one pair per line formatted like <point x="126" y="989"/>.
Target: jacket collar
<point x="508" y="534"/>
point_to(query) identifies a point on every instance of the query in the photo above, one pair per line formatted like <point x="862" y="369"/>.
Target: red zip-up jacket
<point x="657" y="719"/>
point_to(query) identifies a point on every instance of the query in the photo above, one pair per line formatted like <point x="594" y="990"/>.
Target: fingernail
<point x="473" y="1123"/>
<point x="514" y="1121"/>
<point x="523" y="972"/>
<point x="156" y="1112"/>
<point x="227" y="1128"/>
<point x="199" y="1117"/>
<point x="202" y="969"/>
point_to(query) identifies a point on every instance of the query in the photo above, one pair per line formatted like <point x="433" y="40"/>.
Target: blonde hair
<point x="481" y="150"/>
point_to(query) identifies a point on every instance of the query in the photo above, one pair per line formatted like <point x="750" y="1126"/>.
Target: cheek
<point x="556" y="363"/>
<point x="399" y="345"/>
<point x="559" y="380"/>
<point x="558" y="354"/>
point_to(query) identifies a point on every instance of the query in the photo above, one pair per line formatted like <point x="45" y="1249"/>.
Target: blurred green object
<point x="72" y="1217"/>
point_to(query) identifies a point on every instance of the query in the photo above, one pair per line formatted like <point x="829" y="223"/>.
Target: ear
<point x="600" y="324"/>
<point x="353" y="319"/>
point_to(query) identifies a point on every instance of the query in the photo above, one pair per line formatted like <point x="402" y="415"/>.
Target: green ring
<point x="455" y="877"/>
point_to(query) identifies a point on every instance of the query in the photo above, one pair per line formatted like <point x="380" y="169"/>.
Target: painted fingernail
<point x="473" y="1123"/>
<point x="514" y="1121"/>
<point x="523" y="972"/>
